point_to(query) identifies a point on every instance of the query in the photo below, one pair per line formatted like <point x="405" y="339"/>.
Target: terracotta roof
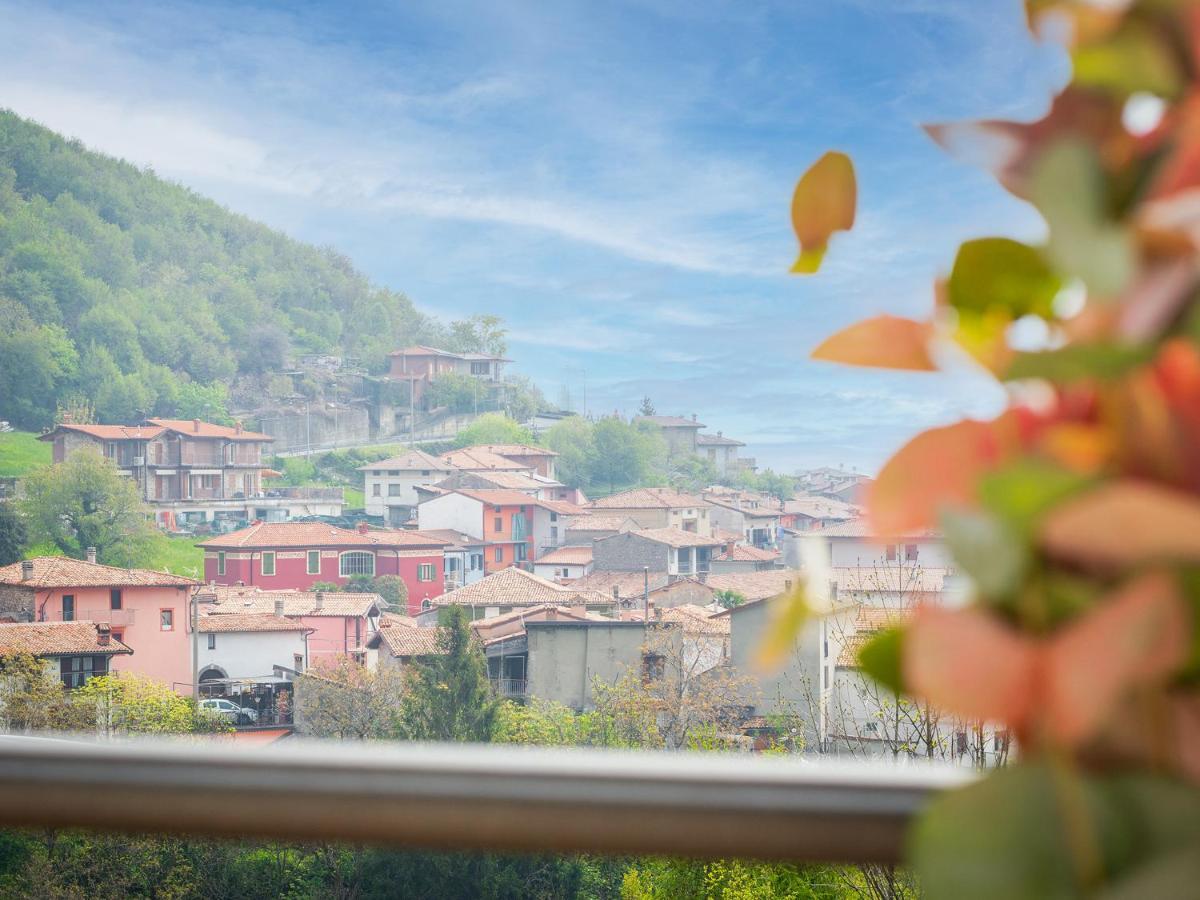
<point x="498" y="497"/>
<point x="317" y="534"/>
<point x="469" y="458"/>
<point x="868" y="621"/>
<point x="820" y="508"/>
<point x="413" y="460"/>
<point x="672" y="537"/>
<point x="671" y="421"/>
<point x="860" y="528"/>
<point x="108" y="432"/>
<point x="629" y="585"/>
<point x="454" y="539"/>
<point x="566" y="556"/>
<point x="756" y="585"/>
<point x="649" y="498"/>
<point x="562" y="507"/>
<point x="511" y="481"/>
<point x="422" y="350"/>
<point x="516" y="587"/>
<point x="746" y="553"/>
<point x="904" y="578"/>
<point x="601" y="523"/>
<point x="235" y="599"/>
<point x="725" y="536"/>
<point x="764" y="509"/>
<point x="717" y="440"/>
<point x="209" y="430"/>
<point x="405" y="638"/>
<point x="696" y="619"/>
<point x="63" y="571"/>
<point x="57" y="639"/>
<point x="848" y="655"/>
<point x="515" y="450"/>
<point x="222" y="622"/>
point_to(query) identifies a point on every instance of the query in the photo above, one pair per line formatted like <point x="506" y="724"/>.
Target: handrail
<point x="468" y="797"/>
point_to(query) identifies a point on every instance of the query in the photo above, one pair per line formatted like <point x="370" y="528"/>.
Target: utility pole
<point x="195" y="646"/>
<point x="646" y="599"/>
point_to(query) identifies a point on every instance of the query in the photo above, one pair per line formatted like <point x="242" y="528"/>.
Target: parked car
<point x="239" y="715"/>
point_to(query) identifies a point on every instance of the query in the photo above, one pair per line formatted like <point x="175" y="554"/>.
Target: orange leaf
<point x="1125" y="523"/>
<point x="1138" y="636"/>
<point x="823" y="203"/>
<point x="1078" y="446"/>
<point x="887" y="342"/>
<point x="967" y="663"/>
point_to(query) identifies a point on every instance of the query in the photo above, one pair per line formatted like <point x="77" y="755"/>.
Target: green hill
<point x="135" y="294"/>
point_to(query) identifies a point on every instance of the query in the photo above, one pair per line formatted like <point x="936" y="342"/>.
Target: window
<point x="394" y="490"/>
<point x="68" y="608"/>
<point x="393" y="471"/>
<point x="565" y="573"/>
<point x="499" y="557"/>
<point x="891" y="552"/>
<point x="521" y="552"/>
<point x="424" y="471"/>
<point x="553" y="517"/>
<point x="377" y="490"/>
<point x="910" y="552"/>
<point x="166" y="620"/>
<point x="314" y="562"/>
<point x="220" y="562"/>
<point x="480" y="368"/>
<point x="498" y="525"/>
<point x="425" y="572"/>
<point x="871" y="727"/>
<point x="114" y="598"/>
<point x="298" y="662"/>
<point x="654" y="667"/>
<point x="476" y="561"/>
<point x="212" y="641"/>
<point x="451" y="564"/>
<point x="76" y="670"/>
<point x="268" y="562"/>
<point x="356" y="563"/>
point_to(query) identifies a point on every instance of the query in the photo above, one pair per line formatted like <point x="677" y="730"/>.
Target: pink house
<point x="147" y="611"/>
<point x="340" y="623"/>
<point x="296" y="555"/>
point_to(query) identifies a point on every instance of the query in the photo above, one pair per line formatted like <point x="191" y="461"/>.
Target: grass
<point x="355" y="499"/>
<point x="177" y="555"/>
<point x="21" y="452"/>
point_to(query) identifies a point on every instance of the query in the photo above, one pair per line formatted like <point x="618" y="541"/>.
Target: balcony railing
<point x="473" y="797"/>
<point x="510" y="687"/>
<point x="111" y="616"/>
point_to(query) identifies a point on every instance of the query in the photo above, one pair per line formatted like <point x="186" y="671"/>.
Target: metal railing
<point x="111" y="616"/>
<point x="510" y="687"/>
<point x="472" y="797"/>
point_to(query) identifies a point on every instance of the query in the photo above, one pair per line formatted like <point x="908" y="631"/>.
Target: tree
<point x="571" y="439"/>
<point x="32" y="699"/>
<point x="457" y="392"/>
<point x="522" y="398"/>
<point x="448" y="696"/>
<point x="343" y="699"/>
<point x="728" y="599"/>
<point x="85" y="502"/>
<point x="493" y="428"/>
<point x="13" y="534"/>
<point x="478" y="334"/>
<point x="207" y="402"/>
<point x="647" y="407"/>
<point x="393" y="590"/>
<point x="623" y="454"/>
<point x="130" y="703"/>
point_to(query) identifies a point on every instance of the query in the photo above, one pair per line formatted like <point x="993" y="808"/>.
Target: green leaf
<point x="1078" y="362"/>
<point x="1190" y="583"/>
<point x="988" y="549"/>
<point x="881" y="656"/>
<point x="1067" y="186"/>
<point x="1133" y="59"/>
<point x="1002" y="275"/>
<point x="1021" y="492"/>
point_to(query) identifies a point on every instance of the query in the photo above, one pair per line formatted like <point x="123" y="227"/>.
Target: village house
<point x="564" y="563"/>
<point x="515" y="527"/>
<point x="336" y="623"/>
<point x="506" y="647"/>
<point x="753" y="515"/>
<point x="195" y="473"/>
<point x="391" y="484"/>
<point x="247" y="646"/>
<point x="719" y="450"/>
<point x="539" y="459"/>
<point x="658" y="508"/>
<point x="670" y="550"/>
<point x="463" y="556"/>
<point x="811" y="512"/>
<point x="852" y="544"/>
<point x="71" y="651"/>
<point x="582" y="529"/>
<point x="419" y="366"/>
<point x="400" y="640"/>
<point x="705" y="635"/>
<point x="514" y="588"/>
<point x="297" y="555"/>
<point x="735" y="557"/>
<point x="479" y="459"/>
<point x="144" y="610"/>
<point x="679" y="433"/>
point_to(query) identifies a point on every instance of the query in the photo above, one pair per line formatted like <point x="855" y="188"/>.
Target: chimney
<point x="279" y="605"/>
<point x="91" y="554"/>
<point x="241" y="584"/>
<point x="729" y="545"/>
<point x="196" y="425"/>
<point x="237" y="427"/>
<point x="103" y="634"/>
<point x="320" y="599"/>
<point x="26" y="569"/>
<point x="363" y="527"/>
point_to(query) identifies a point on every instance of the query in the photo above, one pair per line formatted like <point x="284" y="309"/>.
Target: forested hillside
<point x="135" y="294"/>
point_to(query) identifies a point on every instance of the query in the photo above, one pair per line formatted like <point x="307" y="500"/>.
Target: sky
<point x="613" y="178"/>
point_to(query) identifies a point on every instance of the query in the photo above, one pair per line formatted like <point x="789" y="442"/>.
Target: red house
<point x="296" y="555"/>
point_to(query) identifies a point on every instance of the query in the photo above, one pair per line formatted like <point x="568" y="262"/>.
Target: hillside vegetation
<point x="137" y="295"/>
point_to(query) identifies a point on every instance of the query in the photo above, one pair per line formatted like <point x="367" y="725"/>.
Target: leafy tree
<point x="728" y="599"/>
<point x="207" y="402"/>
<point x="37" y="362"/>
<point x="478" y="334"/>
<point x="343" y="699"/>
<point x="623" y="454"/>
<point x="457" y="392"/>
<point x="393" y="590"/>
<point x="647" y="407"/>
<point x="34" y="700"/>
<point x="493" y="428"/>
<point x="131" y="703"/>
<point x="85" y="502"/>
<point x="522" y="398"/>
<point x="571" y="439"/>
<point x="13" y="535"/>
<point x="448" y="695"/>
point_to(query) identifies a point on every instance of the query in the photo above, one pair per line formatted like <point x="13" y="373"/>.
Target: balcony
<point x="117" y="617"/>
<point x="510" y="688"/>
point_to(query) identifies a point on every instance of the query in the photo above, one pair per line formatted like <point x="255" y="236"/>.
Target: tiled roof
<point x="629" y="585"/>
<point x="474" y="458"/>
<point x="696" y="619"/>
<point x="820" y="508"/>
<point x="516" y="587"/>
<point x="566" y="556"/>
<point x="649" y="498"/>
<point x="717" y="440"/>
<point x="499" y="497"/>
<point x="422" y="350"/>
<point x="861" y="528"/>
<point x="108" y="432"/>
<point x="454" y="539"/>
<point x="725" y="536"/>
<point x="562" y="507"/>
<point x="56" y="639"/>
<point x="672" y="537"/>
<point x="764" y="510"/>
<point x="745" y="553"/>
<point x="209" y="430"/>
<point x="515" y="450"/>
<point x="848" y="655"/>
<point x="671" y="421"/>
<point x="63" y="571"/>
<point x="225" y="622"/>
<point x="406" y="638"/>
<point x="413" y="460"/>
<point x="601" y="523"/>
<point x="756" y="585"/>
<point x="511" y="481"/>
<point x="236" y="599"/>
<point x="889" y="578"/>
<point x="317" y="534"/>
<point x="867" y="621"/>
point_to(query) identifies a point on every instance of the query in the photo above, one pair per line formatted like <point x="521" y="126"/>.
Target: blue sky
<point x="612" y="178"/>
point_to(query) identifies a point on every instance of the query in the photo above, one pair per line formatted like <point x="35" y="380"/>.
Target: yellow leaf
<point x="886" y="342"/>
<point x="823" y="203"/>
<point x="789" y="617"/>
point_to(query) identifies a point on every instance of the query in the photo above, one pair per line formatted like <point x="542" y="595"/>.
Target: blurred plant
<point x="1077" y="511"/>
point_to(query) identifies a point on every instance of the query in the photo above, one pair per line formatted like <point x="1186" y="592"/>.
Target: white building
<point x="391" y="484"/>
<point x="719" y="450"/>
<point x="853" y="545"/>
<point x="564" y="563"/>
<point x="249" y="645"/>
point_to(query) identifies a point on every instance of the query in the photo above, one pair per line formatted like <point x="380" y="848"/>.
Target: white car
<point x="239" y="715"/>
